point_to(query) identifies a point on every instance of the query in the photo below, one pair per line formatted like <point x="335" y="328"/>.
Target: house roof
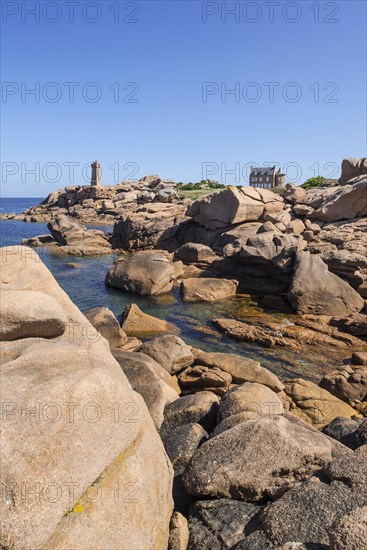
<point x="262" y="170"/>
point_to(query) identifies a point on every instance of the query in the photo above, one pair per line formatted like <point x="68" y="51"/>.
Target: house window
<point x="267" y="179"/>
<point x="254" y="179"/>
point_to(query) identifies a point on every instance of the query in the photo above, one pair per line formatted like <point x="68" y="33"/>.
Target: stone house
<point x="266" y="177"/>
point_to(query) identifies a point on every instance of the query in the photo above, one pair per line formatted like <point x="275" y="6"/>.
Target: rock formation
<point x="145" y="273"/>
<point x="232" y="206"/>
<point x="258" y="462"/>
<point x="207" y="290"/>
<point x="143" y="210"/>
<point x="352" y="168"/>
<point x="135" y="322"/>
<point x="76" y="439"/>
<point x="314" y="290"/>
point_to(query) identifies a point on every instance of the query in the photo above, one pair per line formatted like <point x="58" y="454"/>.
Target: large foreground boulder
<point x="326" y="511"/>
<point x="232" y="206"/>
<point x="314" y="290"/>
<point x="256" y="460"/>
<point x="307" y="513"/>
<point x="76" y="464"/>
<point x="144" y="273"/>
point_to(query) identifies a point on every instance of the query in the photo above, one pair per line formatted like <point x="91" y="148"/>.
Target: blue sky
<point x="173" y="62"/>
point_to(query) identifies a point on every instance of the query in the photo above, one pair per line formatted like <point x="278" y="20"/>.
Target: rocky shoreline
<point x="151" y="199"/>
<point x="214" y="450"/>
<point x="303" y="252"/>
<point x="254" y="457"/>
<point x="252" y="235"/>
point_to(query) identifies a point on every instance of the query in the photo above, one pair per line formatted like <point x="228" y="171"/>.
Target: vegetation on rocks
<point x="318" y="181"/>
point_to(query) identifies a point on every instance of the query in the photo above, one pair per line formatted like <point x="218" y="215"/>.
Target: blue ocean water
<point x="86" y="288"/>
<point x="17" y="204"/>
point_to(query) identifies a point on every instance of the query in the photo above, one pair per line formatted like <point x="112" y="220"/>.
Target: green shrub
<point x="319" y="181"/>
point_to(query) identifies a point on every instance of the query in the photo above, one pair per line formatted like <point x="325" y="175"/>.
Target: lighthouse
<point x="96" y="174"/>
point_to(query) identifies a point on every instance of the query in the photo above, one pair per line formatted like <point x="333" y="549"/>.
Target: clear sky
<point x="144" y="87"/>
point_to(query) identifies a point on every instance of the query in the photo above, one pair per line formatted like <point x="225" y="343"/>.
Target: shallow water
<point x="85" y="286"/>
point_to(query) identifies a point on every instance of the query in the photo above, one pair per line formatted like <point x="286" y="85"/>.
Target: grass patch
<point x="195" y="193"/>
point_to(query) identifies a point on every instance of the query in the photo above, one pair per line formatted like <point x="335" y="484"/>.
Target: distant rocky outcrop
<point x="259" y="234"/>
<point x="346" y="202"/>
<point x="69" y="238"/>
<point x="352" y="168"/>
<point x="151" y="200"/>
<point x="255" y="237"/>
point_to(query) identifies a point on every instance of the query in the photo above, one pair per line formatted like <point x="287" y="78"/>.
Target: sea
<point x="87" y="289"/>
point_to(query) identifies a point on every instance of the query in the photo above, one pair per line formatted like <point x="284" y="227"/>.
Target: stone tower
<point x="96" y="174"/>
<point x="279" y="179"/>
